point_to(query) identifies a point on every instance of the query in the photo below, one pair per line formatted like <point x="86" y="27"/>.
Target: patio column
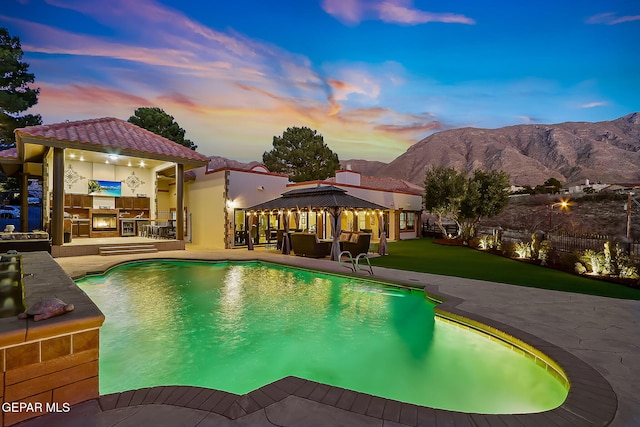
<point x="57" y="220"/>
<point x="179" y="201"/>
<point x="24" y="202"/>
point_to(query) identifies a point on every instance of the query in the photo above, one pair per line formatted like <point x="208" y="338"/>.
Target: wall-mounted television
<point x="105" y="188"/>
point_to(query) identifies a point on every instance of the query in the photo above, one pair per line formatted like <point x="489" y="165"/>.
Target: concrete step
<point x="127" y="249"/>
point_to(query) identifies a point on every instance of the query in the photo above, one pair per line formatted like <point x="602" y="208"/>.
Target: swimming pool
<point x="239" y="326"/>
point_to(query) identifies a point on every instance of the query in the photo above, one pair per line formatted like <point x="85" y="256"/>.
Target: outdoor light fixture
<point x="564" y="205"/>
<point x="141" y="163"/>
<point x="72" y="156"/>
<point x="81" y="158"/>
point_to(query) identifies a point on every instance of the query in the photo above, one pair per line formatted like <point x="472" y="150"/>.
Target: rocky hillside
<point x="571" y="152"/>
<point x="365" y="167"/>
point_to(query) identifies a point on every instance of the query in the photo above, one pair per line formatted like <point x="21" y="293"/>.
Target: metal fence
<point x="432" y="230"/>
<point x="568" y="242"/>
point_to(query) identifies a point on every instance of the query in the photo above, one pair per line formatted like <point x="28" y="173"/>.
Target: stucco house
<point x="107" y="178"/>
<point x="229" y="188"/>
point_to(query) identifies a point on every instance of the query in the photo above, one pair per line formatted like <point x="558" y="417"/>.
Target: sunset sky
<point x="372" y="76"/>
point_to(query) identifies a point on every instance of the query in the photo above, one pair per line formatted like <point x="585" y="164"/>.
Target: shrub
<point x="476" y="242"/>
<point x="579" y="268"/>
<point x="593" y="260"/>
<point x="625" y="266"/>
<point x="489" y="241"/>
<point x="608" y="263"/>
<point x="508" y="248"/>
<point x="523" y="249"/>
<point x="544" y="251"/>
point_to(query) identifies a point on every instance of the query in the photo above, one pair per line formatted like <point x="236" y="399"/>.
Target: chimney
<point x="348" y="176"/>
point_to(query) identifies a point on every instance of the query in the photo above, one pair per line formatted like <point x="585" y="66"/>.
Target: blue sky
<point x="372" y="76"/>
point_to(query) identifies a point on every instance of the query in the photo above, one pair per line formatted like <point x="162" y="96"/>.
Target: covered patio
<point x="102" y="178"/>
<point x="326" y="205"/>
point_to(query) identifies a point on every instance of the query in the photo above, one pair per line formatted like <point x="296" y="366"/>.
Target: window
<point x="407" y="221"/>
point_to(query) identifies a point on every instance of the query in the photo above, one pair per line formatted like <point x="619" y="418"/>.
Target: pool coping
<point x="590" y="400"/>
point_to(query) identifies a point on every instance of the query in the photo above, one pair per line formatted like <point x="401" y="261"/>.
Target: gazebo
<point x="326" y="198"/>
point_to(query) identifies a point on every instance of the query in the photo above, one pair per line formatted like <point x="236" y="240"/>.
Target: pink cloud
<point x="610" y="18"/>
<point x="391" y="11"/>
<point x="93" y="94"/>
<point x="179" y="99"/>
<point x="411" y="129"/>
<point x="347" y="11"/>
<point x="399" y="13"/>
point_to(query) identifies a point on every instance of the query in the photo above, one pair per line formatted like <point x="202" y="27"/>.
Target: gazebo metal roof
<point x="323" y="197"/>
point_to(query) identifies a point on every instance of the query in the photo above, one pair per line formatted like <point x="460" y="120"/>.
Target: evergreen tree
<point x="302" y="154"/>
<point x="155" y="120"/>
<point x="15" y="94"/>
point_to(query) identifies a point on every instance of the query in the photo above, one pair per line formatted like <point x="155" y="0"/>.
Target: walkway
<point x="602" y="332"/>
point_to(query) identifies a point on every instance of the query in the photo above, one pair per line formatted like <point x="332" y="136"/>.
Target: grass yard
<point x="425" y="256"/>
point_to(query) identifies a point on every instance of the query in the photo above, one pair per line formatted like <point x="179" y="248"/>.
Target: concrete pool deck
<point x="603" y="332"/>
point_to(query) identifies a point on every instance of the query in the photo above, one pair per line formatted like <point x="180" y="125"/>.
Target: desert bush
<point x="522" y="249"/>
<point x="508" y="248"/>
<point x="593" y="260"/>
<point x="624" y="264"/>
<point x="489" y="241"/>
<point x="544" y="251"/>
<point x="475" y="242"/>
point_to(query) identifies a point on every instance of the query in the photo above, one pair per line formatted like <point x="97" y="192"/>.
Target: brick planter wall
<point x="52" y="364"/>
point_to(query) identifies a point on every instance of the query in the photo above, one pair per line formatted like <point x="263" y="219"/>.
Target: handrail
<point x="351" y="267"/>
<point x="363" y="256"/>
<point x="355" y="264"/>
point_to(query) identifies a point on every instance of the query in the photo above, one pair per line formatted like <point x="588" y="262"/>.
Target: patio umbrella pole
<point x="382" y="246"/>
<point x="336" y="225"/>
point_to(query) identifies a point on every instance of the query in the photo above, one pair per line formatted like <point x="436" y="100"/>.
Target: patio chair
<point x="308" y="245"/>
<point x="358" y="244"/>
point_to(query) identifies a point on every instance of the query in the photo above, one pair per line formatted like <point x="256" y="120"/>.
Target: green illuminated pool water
<point x="237" y="327"/>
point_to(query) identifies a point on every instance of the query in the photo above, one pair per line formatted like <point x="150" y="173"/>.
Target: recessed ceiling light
<point x="72" y="156"/>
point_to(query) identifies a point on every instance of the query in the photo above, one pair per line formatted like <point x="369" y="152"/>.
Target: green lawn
<point x="425" y="256"/>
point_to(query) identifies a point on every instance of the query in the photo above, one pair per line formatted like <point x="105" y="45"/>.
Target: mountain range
<point x="572" y="152"/>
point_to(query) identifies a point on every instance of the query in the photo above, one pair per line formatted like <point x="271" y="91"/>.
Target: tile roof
<point x="112" y="134"/>
<point x="9" y="153"/>
<point x="218" y="162"/>
<point x="386" y="183"/>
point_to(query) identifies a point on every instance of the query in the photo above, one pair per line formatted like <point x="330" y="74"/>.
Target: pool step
<point x="127" y="249"/>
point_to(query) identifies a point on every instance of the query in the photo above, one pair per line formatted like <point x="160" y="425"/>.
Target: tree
<point x="15" y="94"/>
<point x="155" y="120"/>
<point x="302" y="154"/>
<point x="487" y="195"/>
<point x="550" y="186"/>
<point x="445" y="190"/>
<point x="450" y="194"/>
